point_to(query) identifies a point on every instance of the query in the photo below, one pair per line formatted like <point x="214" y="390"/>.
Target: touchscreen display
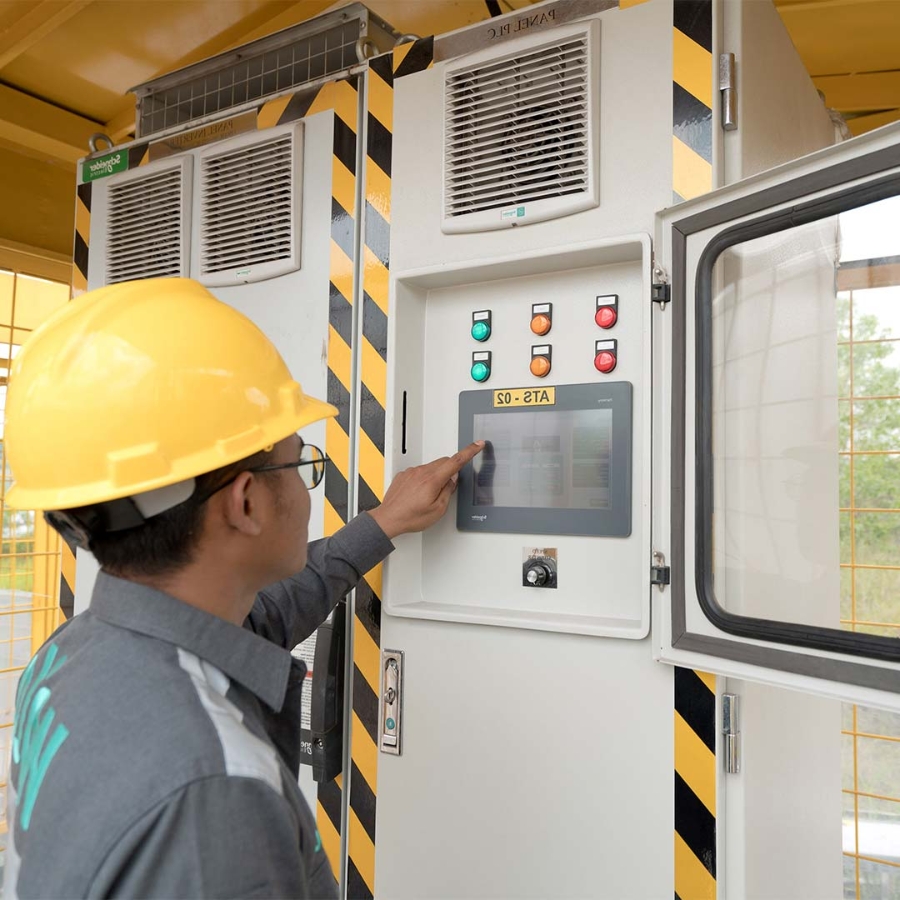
<point x="544" y="458"/>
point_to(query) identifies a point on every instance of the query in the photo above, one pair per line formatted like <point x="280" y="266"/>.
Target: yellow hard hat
<point x="141" y="385"/>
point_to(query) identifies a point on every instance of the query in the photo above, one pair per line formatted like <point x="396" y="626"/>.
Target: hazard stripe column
<point x="692" y="92"/>
<point x="370" y="484"/>
<point x="342" y="98"/>
<point x="695" y="692"/>
<point x="82" y="238"/>
<point x="406" y="59"/>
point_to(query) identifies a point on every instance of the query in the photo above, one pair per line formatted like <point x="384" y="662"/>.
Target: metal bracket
<point x="731" y="733"/>
<point x="660" y="573"/>
<point x="728" y="90"/>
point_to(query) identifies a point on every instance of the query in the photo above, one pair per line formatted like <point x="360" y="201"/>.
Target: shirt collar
<point x="259" y="665"/>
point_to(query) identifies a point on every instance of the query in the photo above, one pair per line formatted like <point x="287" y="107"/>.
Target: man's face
<point x="289" y="523"/>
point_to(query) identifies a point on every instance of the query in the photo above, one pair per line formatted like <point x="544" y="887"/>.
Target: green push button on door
<point x="480" y="372"/>
<point x="390" y="724"/>
<point x="481" y="331"/>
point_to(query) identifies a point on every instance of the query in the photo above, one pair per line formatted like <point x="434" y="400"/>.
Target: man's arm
<point x="288" y="612"/>
<point x="291" y="610"/>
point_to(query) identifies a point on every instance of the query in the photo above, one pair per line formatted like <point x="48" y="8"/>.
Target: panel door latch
<point x="391" y="701"/>
<point x="731" y="732"/>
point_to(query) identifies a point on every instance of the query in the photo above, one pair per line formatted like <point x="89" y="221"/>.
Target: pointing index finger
<point x="460" y="458"/>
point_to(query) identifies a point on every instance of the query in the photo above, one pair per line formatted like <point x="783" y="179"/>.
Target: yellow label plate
<point x="525" y="397"/>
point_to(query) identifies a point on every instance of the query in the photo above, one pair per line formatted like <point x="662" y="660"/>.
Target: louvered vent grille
<point x="146" y="228"/>
<point x="247" y="206"/>
<point x="516" y="130"/>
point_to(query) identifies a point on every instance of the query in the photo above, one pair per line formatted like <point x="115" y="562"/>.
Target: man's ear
<point x="241" y="504"/>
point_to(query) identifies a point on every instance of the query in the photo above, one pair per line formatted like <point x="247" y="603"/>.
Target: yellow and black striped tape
<point x="67" y="579"/>
<point x="342" y="98"/>
<point x="80" y="258"/>
<point x="695" y="692"/>
<point x="692" y="93"/>
<point x="82" y="238"/>
<point x="405" y="60"/>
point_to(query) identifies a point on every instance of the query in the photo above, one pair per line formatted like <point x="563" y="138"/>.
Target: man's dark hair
<point x="163" y="543"/>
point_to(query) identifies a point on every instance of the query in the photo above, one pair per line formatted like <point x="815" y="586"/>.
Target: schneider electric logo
<point x="105" y="165"/>
<point x="479" y="518"/>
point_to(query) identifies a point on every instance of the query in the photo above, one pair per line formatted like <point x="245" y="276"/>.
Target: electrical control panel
<point x="546" y="359"/>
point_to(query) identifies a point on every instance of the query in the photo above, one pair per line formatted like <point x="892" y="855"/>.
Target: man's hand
<point x="419" y="496"/>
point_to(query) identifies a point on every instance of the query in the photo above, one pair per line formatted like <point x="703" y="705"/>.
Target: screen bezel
<point x="615" y="521"/>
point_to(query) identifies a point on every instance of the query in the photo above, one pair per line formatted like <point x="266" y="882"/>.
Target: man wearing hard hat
<point x="156" y="737"/>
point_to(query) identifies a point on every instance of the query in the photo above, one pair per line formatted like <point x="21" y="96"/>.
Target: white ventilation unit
<point x="249" y="207"/>
<point x="148" y="229"/>
<point x="521" y="132"/>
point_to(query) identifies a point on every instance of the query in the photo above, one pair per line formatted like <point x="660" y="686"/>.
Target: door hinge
<point x="660" y="574"/>
<point x="728" y="91"/>
<point x="661" y="293"/>
<point x="659" y="290"/>
<point x="731" y="733"/>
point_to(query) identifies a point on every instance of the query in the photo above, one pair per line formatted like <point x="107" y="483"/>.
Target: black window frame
<point x="802" y="210"/>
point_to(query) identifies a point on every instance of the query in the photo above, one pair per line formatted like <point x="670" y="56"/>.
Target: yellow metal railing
<point x="29" y="548"/>
<point x="871" y="778"/>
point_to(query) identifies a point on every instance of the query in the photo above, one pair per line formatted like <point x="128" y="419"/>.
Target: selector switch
<point x="481" y="325"/>
<point x="539" y="567"/>
<point x="540" y="360"/>
<point x="605" y="356"/>
<point x="537" y="575"/>
<point x="541" y="318"/>
<point x="481" y="366"/>
<point x="607" y="313"/>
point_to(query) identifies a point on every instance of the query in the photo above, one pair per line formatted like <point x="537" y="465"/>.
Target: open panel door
<point x="777" y="426"/>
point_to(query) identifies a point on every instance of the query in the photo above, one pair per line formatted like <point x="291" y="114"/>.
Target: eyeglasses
<point x="311" y="465"/>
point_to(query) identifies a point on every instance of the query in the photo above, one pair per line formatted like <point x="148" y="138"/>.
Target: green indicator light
<point x="480" y="372"/>
<point x="481" y="331"/>
<point x="391" y="724"/>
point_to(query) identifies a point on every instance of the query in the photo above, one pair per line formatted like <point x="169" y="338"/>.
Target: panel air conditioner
<point x="148" y="227"/>
<point x="249" y="206"/>
<point x="521" y="132"/>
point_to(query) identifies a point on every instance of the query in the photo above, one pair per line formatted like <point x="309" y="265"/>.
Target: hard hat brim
<point x="276" y="430"/>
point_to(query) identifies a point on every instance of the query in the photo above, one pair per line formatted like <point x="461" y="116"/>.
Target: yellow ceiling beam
<point x="815" y="5"/>
<point x="121" y="126"/>
<point x="858" y="93"/>
<point x="43" y="128"/>
<point x="35" y="261"/>
<point x="293" y="15"/>
<point x="38" y="20"/>
<point x="862" y="124"/>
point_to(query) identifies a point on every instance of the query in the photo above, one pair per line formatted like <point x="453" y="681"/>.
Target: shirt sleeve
<point x="225" y="836"/>
<point x="291" y="610"/>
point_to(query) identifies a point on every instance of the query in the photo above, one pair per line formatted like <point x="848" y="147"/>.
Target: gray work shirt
<point x="156" y="746"/>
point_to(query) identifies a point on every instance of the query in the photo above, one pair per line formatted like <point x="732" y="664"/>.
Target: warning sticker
<point x="307" y="652"/>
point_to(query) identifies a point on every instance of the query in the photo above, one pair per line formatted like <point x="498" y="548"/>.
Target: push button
<point x="605" y="356"/>
<point x="540" y="360"/>
<point x="605" y="361"/>
<point x="541" y="318"/>
<point x="541" y="324"/>
<point x="607" y="313"/>
<point x="481" y="366"/>
<point x="481" y="325"/>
